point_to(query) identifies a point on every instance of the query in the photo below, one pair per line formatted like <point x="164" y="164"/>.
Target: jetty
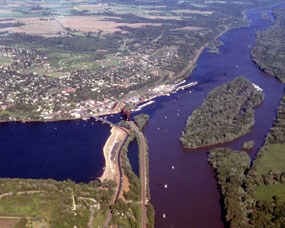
<point x="186" y="86"/>
<point x="104" y="121"/>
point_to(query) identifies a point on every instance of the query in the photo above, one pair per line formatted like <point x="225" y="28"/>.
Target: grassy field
<point x="25" y="205"/>
<point x="37" y="69"/>
<point x="266" y="192"/>
<point x="51" y="202"/>
<point x="99" y="220"/>
<point x="5" y="60"/>
<point x="56" y="209"/>
<point x="273" y="159"/>
<point x="72" y="61"/>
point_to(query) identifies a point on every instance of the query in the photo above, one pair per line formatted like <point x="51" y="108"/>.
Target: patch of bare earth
<point x="39" y="224"/>
<point x="97" y="7"/>
<point x="111" y="147"/>
<point x="97" y="23"/>
<point x="36" y="26"/>
<point x="8" y="222"/>
<point x="189" y="28"/>
<point x="6" y="11"/>
<point x="187" y="11"/>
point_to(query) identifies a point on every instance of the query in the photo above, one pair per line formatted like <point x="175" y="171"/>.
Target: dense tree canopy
<point x="269" y="50"/>
<point x="254" y="196"/>
<point x="227" y="113"/>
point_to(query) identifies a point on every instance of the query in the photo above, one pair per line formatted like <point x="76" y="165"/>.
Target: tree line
<point x="269" y="50"/>
<point x="239" y="182"/>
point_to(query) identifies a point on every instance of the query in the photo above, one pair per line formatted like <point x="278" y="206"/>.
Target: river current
<point x="73" y="149"/>
<point x="192" y="198"/>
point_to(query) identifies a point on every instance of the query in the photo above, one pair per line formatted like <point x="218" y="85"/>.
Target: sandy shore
<point x="111" y="150"/>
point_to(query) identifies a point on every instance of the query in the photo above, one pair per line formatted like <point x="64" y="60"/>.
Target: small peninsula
<point x="226" y="114"/>
<point x="268" y="52"/>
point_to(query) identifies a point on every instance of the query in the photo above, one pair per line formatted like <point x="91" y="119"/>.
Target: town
<point x="63" y="61"/>
<point x="27" y="95"/>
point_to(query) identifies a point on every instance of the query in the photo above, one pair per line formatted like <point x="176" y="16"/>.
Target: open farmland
<point x="189" y="28"/>
<point x="93" y="57"/>
<point x="97" y="24"/>
<point x="8" y="222"/>
<point x="273" y="160"/>
<point x="35" y="26"/>
<point x="267" y="192"/>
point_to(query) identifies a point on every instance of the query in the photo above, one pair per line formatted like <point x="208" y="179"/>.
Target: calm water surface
<point x="192" y="197"/>
<point x="134" y="156"/>
<point x="58" y="150"/>
<point x="73" y="149"/>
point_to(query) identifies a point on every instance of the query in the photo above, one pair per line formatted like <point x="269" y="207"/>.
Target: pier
<point x="104" y="121"/>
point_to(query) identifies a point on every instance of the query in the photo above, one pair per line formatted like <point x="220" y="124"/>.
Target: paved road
<point x="142" y="152"/>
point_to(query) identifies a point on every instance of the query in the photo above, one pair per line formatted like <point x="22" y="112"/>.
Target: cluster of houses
<point x="27" y="94"/>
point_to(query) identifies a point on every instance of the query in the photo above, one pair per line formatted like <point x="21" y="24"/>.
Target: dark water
<point x="58" y="150"/>
<point x="192" y="197"/>
<point x="37" y="150"/>
<point x="133" y="156"/>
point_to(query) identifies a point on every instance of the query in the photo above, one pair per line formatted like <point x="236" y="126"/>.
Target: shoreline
<point x="184" y="74"/>
<point x="107" y="168"/>
<point x="111" y="151"/>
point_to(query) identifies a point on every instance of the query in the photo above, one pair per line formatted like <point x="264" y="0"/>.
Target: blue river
<point x="73" y="149"/>
<point x="59" y="150"/>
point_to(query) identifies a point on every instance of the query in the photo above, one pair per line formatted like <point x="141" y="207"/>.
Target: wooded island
<point x="226" y="114"/>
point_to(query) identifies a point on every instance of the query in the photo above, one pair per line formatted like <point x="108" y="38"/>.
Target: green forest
<point x="128" y="205"/>
<point x="226" y="114"/>
<point x="269" y="50"/>
<point x="254" y="196"/>
<point x="130" y="202"/>
<point x="50" y="203"/>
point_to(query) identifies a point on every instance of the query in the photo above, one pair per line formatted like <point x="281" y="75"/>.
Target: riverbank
<point x="60" y="119"/>
<point x="209" y="74"/>
<point x="111" y="151"/>
<point x="192" y="63"/>
<point x="142" y="96"/>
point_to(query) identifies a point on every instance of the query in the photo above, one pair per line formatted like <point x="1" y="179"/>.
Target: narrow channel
<point x="133" y="156"/>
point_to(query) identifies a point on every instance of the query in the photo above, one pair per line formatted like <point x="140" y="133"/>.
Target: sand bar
<point x="111" y="149"/>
